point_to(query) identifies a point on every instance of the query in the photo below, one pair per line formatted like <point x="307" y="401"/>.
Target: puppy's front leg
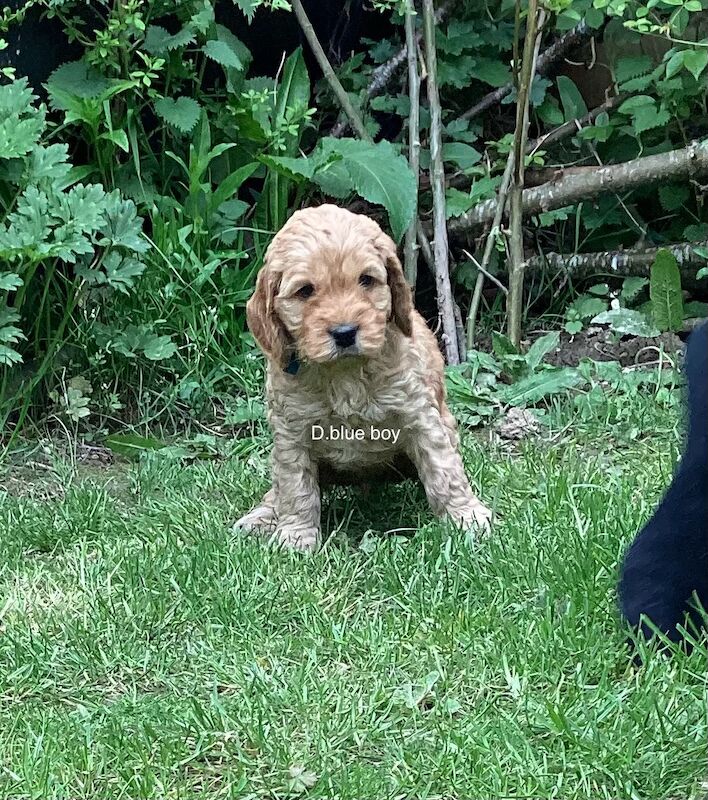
<point x="442" y="473"/>
<point x="297" y="492"/>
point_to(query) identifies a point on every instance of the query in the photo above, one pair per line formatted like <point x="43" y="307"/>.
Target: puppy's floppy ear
<point x="263" y="321"/>
<point x="401" y="299"/>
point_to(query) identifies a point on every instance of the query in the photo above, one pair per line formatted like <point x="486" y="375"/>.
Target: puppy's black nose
<point x="344" y="335"/>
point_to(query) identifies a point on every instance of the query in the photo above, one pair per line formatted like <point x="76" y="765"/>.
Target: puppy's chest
<point x="351" y="422"/>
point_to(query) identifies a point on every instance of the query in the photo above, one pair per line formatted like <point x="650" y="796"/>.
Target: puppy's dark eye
<point x="305" y="291"/>
<point x="366" y="280"/>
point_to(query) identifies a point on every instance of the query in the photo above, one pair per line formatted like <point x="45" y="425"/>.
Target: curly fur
<point x="328" y="267"/>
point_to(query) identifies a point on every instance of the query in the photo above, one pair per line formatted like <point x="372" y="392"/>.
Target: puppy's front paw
<point x="306" y="540"/>
<point x="477" y="517"/>
<point x="261" y="519"/>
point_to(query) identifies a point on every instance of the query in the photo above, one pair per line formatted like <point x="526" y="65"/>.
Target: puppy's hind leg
<point x="261" y="519"/>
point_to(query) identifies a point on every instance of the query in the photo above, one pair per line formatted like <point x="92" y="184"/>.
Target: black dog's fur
<point x="668" y="561"/>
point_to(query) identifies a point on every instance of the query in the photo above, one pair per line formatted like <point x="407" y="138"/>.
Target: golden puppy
<point x="355" y="385"/>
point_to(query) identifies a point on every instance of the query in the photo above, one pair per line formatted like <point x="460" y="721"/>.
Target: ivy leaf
<point x="665" y="292"/>
<point x="182" y="113"/>
<point x="627" y="321"/>
<point x="220" y="52"/>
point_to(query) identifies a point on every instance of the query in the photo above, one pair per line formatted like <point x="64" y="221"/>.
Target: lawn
<point x="147" y="651"/>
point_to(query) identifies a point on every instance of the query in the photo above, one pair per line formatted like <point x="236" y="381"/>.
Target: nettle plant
<point x="65" y="247"/>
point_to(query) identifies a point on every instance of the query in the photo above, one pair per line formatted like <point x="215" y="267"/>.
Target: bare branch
<point x="546" y="60"/>
<point x="384" y="72"/>
<point x="691" y="161"/>
<point x="440" y="246"/>
<point x="574" y="125"/>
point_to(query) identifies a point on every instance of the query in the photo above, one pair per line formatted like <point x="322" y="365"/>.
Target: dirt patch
<point x="600" y="344"/>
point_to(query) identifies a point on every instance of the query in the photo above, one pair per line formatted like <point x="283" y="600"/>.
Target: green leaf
<point x="21" y="124"/>
<point x="647" y="118"/>
<point x="631" y="105"/>
<point x="539" y="385"/>
<point x="627" y="321"/>
<point x="159" y="41"/>
<point x="702" y="273"/>
<point x="491" y="71"/>
<point x="632" y="67"/>
<point x="121" y="271"/>
<point x="232" y="183"/>
<point x="9" y="356"/>
<point x="631" y="287"/>
<point x="673" y="196"/>
<point x="131" y="445"/>
<point x="696" y="61"/>
<point x="572" y="101"/>
<point x="380" y="175"/>
<point x="665" y="292"/>
<point x="9" y="281"/>
<point x="587" y="307"/>
<point x="78" y="79"/>
<point x="220" y="52"/>
<point x="464" y="155"/>
<point x="248" y="7"/>
<point x="540" y="349"/>
<point x="159" y="347"/>
<point x="502" y="345"/>
<point x="182" y="113"/>
<point x="457" y="202"/>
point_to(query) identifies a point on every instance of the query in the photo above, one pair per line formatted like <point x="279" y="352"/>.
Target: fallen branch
<point x="691" y="161"/>
<point x="545" y="61"/>
<point x="384" y="72"/>
<point x="410" y="250"/>
<point x="624" y="263"/>
<point x="574" y="125"/>
<point x="440" y="245"/>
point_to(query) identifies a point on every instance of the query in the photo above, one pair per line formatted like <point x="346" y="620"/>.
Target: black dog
<point x="666" y="568"/>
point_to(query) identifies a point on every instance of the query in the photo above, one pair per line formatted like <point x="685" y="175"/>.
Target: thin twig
<point x="534" y="25"/>
<point x="488" y="248"/>
<point x="492" y="278"/>
<point x="546" y="60"/>
<point x="384" y="72"/>
<point x="410" y="249"/>
<point x="440" y="246"/>
<point x="327" y="70"/>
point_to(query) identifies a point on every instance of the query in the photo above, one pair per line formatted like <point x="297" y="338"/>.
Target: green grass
<point x="146" y="651"/>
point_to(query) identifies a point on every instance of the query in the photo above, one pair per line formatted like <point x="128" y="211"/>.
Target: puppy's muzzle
<point x="344" y="337"/>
